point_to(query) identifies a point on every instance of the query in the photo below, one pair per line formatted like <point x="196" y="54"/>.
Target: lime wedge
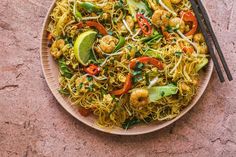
<point x="83" y="45"/>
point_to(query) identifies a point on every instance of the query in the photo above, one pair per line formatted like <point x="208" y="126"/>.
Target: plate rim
<point x="61" y="101"/>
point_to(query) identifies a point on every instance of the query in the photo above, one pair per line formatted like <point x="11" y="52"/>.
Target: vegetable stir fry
<point x="127" y="61"/>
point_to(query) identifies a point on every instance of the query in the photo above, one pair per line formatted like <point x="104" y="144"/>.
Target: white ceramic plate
<point x="51" y="73"/>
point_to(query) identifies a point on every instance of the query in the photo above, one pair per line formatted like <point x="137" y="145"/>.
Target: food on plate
<point x="127" y="61"/>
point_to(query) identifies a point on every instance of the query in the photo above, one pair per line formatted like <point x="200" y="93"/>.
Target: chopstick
<point x="208" y="24"/>
<point x="208" y="42"/>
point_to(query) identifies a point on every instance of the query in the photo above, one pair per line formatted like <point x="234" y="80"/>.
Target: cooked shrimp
<point x="198" y="38"/>
<point x="130" y="24"/>
<point x="108" y="43"/>
<point x="139" y="97"/>
<point x="105" y="16"/>
<point x="201" y="45"/>
<point x="202" y="48"/>
<point x="160" y="17"/>
<point x="56" y="49"/>
<point x="177" y="23"/>
<point x="153" y="4"/>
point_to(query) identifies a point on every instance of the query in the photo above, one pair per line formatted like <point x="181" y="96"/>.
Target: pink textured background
<point x="32" y="123"/>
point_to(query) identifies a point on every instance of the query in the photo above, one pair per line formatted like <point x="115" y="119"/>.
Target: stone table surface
<point x="33" y="124"/>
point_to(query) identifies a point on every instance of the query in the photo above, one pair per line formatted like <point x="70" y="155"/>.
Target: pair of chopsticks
<point x="200" y="12"/>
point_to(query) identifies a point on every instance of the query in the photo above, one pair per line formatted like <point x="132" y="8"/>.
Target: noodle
<point x="147" y="57"/>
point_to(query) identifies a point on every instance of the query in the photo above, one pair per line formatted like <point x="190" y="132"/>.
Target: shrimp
<point x="198" y="38"/>
<point x="130" y="23"/>
<point x="154" y="5"/>
<point x="177" y="23"/>
<point x="139" y="97"/>
<point x="201" y="45"/>
<point x="108" y="43"/>
<point x="56" y="49"/>
<point x="105" y="16"/>
<point x="160" y="17"/>
<point x="202" y="48"/>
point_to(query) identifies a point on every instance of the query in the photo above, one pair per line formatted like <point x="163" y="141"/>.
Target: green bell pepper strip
<point x="76" y="13"/>
<point x="120" y="43"/>
<point x="90" y="7"/>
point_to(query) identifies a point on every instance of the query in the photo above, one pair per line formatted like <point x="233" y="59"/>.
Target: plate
<point x="51" y="73"/>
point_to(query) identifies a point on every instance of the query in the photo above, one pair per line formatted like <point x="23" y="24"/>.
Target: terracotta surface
<point x="32" y="123"/>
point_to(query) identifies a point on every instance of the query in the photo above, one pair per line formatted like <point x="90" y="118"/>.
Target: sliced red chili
<point x="127" y="86"/>
<point x="98" y="26"/>
<point x="190" y="17"/>
<point x="144" y="24"/>
<point x="92" y="69"/>
<point x="147" y="60"/>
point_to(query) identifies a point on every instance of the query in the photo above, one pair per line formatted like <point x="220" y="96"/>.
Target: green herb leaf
<point x="81" y="85"/>
<point x="140" y="65"/>
<point x="130" y="122"/>
<point x="113" y="109"/>
<point x="64" y="69"/>
<point x="89" y="78"/>
<point x="110" y="32"/>
<point x="90" y="88"/>
<point x="178" y="53"/>
<point x="137" y="73"/>
<point x="69" y="40"/>
<point x="63" y="91"/>
<point x="171" y="29"/>
<point x="137" y="79"/>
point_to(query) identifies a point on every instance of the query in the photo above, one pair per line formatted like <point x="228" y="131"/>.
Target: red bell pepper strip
<point x="84" y="112"/>
<point x="92" y="69"/>
<point x="147" y="60"/>
<point x="98" y="26"/>
<point x="127" y="86"/>
<point x="144" y="24"/>
<point x="190" y="17"/>
<point x="80" y="25"/>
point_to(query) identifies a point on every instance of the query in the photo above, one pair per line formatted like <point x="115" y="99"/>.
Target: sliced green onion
<point x="120" y="44"/>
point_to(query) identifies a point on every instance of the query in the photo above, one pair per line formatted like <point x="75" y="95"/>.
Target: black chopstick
<point x="208" y="24"/>
<point x="208" y="42"/>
